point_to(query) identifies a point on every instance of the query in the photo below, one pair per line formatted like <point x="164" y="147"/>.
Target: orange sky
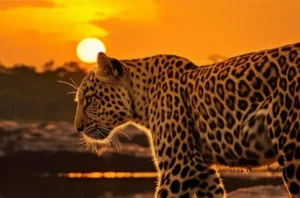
<point x="35" y="31"/>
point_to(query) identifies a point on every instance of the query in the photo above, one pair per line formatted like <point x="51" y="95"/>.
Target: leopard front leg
<point x="210" y="184"/>
<point x="190" y="180"/>
<point x="175" y="143"/>
<point x="170" y="187"/>
<point x="291" y="176"/>
<point x="170" y="182"/>
<point x="289" y="160"/>
<point x="285" y="137"/>
<point x="183" y="172"/>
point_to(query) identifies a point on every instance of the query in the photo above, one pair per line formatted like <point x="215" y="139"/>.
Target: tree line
<point x="28" y="95"/>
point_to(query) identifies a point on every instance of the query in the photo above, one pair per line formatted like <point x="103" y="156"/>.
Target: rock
<point x="54" y="145"/>
<point x="53" y="137"/>
<point x="6" y="126"/>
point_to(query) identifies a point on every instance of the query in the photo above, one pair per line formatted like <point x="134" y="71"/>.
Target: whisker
<point x="95" y="146"/>
<point x="118" y="142"/>
<point x="124" y="135"/>
<point x="105" y="132"/>
<point x="97" y="135"/>
<point x="106" y="143"/>
<point x="73" y="82"/>
<point x="113" y="138"/>
<point x="115" y="142"/>
<point x="67" y="83"/>
<point x="82" y="143"/>
<point x="104" y="129"/>
<point x="85" y="143"/>
<point x="99" y="132"/>
<point x="72" y="92"/>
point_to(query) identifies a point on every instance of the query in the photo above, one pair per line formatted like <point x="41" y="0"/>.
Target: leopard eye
<point x="89" y="100"/>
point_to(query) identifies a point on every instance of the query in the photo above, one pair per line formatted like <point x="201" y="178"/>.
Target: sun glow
<point x="88" y="48"/>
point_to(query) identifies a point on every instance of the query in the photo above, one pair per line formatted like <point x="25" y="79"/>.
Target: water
<point x="54" y="187"/>
<point x="105" y="185"/>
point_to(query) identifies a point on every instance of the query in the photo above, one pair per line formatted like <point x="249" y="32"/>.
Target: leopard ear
<point x="110" y="66"/>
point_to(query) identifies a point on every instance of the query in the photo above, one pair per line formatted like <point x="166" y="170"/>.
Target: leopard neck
<point x="138" y="76"/>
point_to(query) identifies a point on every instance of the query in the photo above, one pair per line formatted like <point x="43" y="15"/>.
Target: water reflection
<point x="50" y="186"/>
<point x="109" y="184"/>
<point x="109" y="175"/>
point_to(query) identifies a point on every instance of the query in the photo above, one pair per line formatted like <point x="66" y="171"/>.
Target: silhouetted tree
<point x="72" y="66"/>
<point x="3" y="69"/>
<point x="48" y="66"/>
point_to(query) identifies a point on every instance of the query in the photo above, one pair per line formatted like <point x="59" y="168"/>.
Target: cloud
<point x="12" y="4"/>
<point x="35" y="48"/>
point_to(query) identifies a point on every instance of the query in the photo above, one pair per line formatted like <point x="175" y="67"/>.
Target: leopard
<point x="243" y="112"/>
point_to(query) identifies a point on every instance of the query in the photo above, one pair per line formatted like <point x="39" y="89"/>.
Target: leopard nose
<point x="80" y="129"/>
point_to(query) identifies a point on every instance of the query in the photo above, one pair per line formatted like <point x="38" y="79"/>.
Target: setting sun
<point x="88" y="48"/>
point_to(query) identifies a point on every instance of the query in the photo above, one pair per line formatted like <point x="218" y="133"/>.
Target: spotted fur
<point x="242" y="112"/>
